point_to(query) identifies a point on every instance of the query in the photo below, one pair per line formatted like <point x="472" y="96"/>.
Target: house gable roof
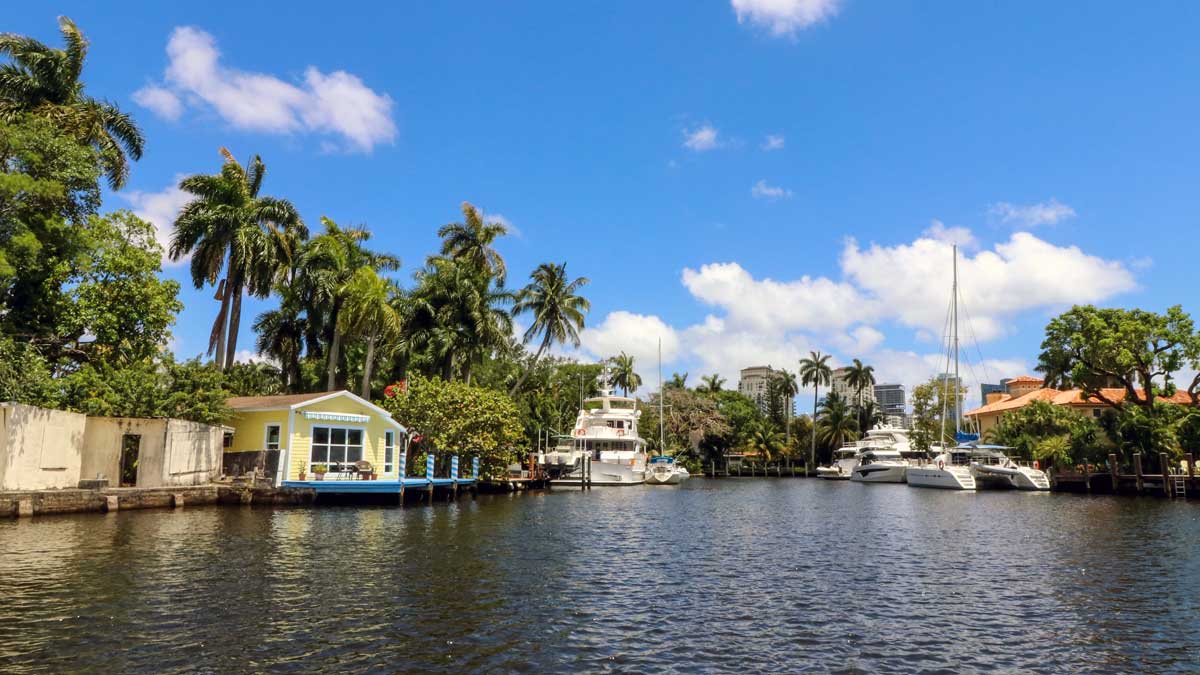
<point x="297" y="401"/>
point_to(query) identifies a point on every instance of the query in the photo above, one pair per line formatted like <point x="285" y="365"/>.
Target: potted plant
<point x="303" y="476"/>
<point x="319" y="471"/>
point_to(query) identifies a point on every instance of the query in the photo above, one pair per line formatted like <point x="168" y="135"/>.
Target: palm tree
<point x="677" y="381"/>
<point x="558" y="310"/>
<point x="784" y="385"/>
<point x="329" y="262"/>
<point x="835" y="423"/>
<point x="281" y="336"/>
<point x="869" y="416"/>
<point x="368" y="311"/>
<point x="44" y="82"/>
<point x="624" y="375"/>
<point x="471" y="241"/>
<point x="455" y="311"/>
<point x="860" y="377"/>
<point x="228" y="228"/>
<point x="814" y="372"/>
<point x="712" y="383"/>
<point x="764" y="440"/>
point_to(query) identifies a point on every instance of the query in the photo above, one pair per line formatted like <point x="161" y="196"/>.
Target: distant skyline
<point x="746" y="180"/>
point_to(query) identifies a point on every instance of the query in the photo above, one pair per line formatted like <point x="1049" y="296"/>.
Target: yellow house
<point x="329" y="428"/>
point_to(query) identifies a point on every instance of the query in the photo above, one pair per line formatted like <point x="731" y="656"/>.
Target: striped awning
<point x="336" y="416"/>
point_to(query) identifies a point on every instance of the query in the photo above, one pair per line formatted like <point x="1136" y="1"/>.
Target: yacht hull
<point x="604" y="474"/>
<point x="946" y="478"/>
<point x="1011" y="477"/>
<point x="880" y="473"/>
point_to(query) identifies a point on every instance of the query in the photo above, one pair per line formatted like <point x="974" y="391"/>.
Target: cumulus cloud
<point x="761" y="190"/>
<point x="159" y="209"/>
<point x="701" y="139"/>
<point x="162" y="101"/>
<point x="951" y="235"/>
<point x="784" y="17"/>
<point x="336" y="103"/>
<point x="634" y="334"/>
<point x="247" y="356"/>
<point x="1032" y="215"/>
<point x="773" y="142"/>
<point x="911" y="369"/>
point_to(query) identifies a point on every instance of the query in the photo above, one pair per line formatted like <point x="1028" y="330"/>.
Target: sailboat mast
<point x="661" y="447"/>
<point x="957" y="382"/>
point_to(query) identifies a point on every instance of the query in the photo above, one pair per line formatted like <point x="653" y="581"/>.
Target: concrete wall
<point x="172" y="452"/>
<point x="39" y="448"/>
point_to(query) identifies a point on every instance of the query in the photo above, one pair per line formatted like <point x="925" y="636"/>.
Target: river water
<point x="732" y="575"/>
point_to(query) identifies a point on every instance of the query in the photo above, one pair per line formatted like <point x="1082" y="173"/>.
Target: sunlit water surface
<point x="735" y="575"/>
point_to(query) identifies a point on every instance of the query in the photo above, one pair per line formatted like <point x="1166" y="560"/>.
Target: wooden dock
<point x="1113" y="482"/>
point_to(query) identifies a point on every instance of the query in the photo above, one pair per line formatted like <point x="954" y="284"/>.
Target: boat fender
<point x="580" y="432"/>
<point x="620" y="432"/>
<point x="839" y="468"/>
<point x="941" y="464"/>
<point x="1036" y="466"/>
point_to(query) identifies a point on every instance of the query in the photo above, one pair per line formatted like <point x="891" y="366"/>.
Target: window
<point x="1095" y="412"/>
<point x="336" y="445"/>
<point x="389" y="451"/>
<point x="227" y="440"/>
<point x="271" y="442"/>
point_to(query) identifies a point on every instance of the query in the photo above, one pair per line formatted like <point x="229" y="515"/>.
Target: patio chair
<point x="364" y="469"/>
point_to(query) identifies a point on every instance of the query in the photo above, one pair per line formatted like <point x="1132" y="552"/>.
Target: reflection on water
<point x="731" y="575"/>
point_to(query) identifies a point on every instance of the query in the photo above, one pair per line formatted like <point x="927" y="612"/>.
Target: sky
<point x="744" y="180"/>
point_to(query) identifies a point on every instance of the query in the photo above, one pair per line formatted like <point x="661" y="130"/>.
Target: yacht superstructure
<point x="606" y="432"/>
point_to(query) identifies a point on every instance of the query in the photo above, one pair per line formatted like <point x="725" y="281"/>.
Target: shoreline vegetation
<point x="86" y="317"/>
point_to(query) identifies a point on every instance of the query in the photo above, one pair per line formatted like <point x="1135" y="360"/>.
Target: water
<point x="714" y="576"/>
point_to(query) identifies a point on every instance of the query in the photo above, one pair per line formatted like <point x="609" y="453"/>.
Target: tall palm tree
<point x="329" y="261"/>
<point x="835" y="422"/>
<point x="785" y="386"/>
<point x="712" y="383"/>
<point x="558" y="310"/>
<point x="456" y="312"/>
<point x="624" y="375"/>
<point x="229" y="229"/>
<point x="472" y="240"/>
<point x="677" y="381"/>
<point x="44" y="82"/>
<point x="814" y="372"/>
<point x="868" y="416"/>
<point x="368" y="311"/>
<point x="281" y="336"/>
<point x="860" y="377"/>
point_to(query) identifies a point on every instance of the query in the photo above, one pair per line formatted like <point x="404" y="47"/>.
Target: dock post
<point x="589" y="472"/>
<point x="429" y="474"/>
<point x="1137" y="470"/>
<point x="712" y="467"/>
<point x="454" y="474"/>
<point x="583" y="472"/>
<point x="402" y="471"/>
<point x="1191" y="470"/>
<point x="475" y="476"/>
<point x="1112" y="470"/>
<point x="1166" y="476"/>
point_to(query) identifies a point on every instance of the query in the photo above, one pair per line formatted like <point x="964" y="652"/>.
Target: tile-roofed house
<point x="989" y="414"/>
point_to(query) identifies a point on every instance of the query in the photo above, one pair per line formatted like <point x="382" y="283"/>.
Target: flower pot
<point x="303" y="476"/>
<point x="320" y="476"/>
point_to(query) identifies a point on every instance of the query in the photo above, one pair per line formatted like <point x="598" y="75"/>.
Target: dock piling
<point x="1137" y="470"/>
<point x="1166" y="473"/>
<point x="1113" y="472"/>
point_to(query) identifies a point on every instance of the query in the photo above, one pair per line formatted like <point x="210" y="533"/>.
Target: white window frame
<point x="312" y="440"/>
<point x="389" y="451"/>
<point x="267" y="437"/>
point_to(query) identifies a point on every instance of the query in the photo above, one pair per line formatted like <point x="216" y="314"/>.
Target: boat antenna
<point x="957" y="382"/>
<point x="662" y="448"/>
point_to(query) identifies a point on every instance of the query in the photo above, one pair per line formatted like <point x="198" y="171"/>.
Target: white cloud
<point x="784" y="17"/>
<point x="761" y="190"/>
<point x="773" y="142"/>
<point x="336" y="103"/>
<point x="247" y="356"/>
<point x="701" y="139"/>
<point x="950" y="235"/>
<point x="911" y="369"/>
<point x="159" y="209"/>
<point x="912" y="281"/>
<point x="1032" y="215"/>
<point x="161" y="100"/>
<point x="637" y="335"/>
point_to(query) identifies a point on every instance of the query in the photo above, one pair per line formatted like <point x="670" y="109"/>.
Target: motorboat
<point x="603" y="447"/>
<point x="880" y="465"/>
<point x="842" y="465"/>
<point x="664" y="470"/>
<point x="993" y="468"/>
<point x="947" y="470"/>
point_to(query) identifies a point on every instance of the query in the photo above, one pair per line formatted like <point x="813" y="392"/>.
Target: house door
<point x="131" y="446"/>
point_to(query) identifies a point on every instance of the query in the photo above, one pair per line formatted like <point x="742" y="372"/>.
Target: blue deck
<point x="374" y="486"/>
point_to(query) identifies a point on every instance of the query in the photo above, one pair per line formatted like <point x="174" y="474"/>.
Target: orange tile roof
<point x="281" y="401"/>
<point x="1068" y="397"/>
<point x="1025" y="379"/>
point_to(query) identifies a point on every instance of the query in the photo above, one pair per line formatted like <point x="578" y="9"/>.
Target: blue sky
<point x="628" y="139"/>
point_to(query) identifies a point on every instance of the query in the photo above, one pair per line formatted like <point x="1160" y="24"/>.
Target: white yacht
<point x="880" y="465"/>
<point x="993" y="468"/>
<point x="844" y="460"/>
<point x="606" y="432"/>
<point x="664" y="470"/>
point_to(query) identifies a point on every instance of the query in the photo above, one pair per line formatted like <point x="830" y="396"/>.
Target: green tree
<point x="689" y="417"/>
<point x="456" y="418"/>
<point x="1027" y="428"/>
<point x="814" y="372"/>
<point x="472" y="242"/>
<point x="24" y="375"/>
<point x="677" y="381"/>
<point x="253" y="379"/>
<point x="150" y="388"/>
<point x="1138" y="351"/>
<point x="45" y="82"/>
<point x="281" y="333"/>
<point x="765" y="441"/>
<point x="368" y="312"/>
<point x="781" y="391"/>
<point x="557" y="308"/>
<point x="835" y="422"/>
<point x="712" y="383"/>
<point x="623" y="373"/>
<point x="930" y="426"/>
<point x="228" y="228"/>
<point x="860" y="377"/>
<point x="456" y="314"/>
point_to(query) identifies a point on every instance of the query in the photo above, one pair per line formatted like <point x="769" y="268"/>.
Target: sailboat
<point x="948" y="469"/>
<point x="663" y="469"/>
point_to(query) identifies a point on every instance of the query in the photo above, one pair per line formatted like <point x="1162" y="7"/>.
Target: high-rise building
<point x="841" y="386"/>
<point x="892" y="404"/>
<point x="754" y="383"/>
<point x="985" y="389"/>
<point x="950" y="383"/>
